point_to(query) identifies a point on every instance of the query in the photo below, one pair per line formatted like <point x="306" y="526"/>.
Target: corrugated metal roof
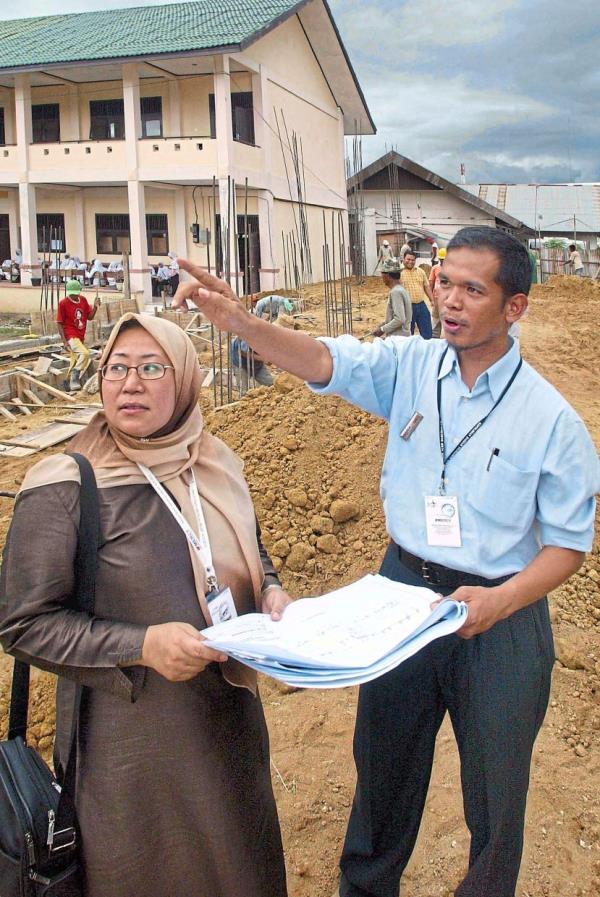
<point x="556" y="203"/>
<point x="138" y="31"/>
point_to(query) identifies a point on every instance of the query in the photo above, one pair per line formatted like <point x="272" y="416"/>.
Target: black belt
<point x="438" y="575"/>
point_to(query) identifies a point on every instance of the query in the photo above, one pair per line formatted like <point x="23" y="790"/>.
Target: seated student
<point x="96" y="272"/>
<point x="248" y="365"/>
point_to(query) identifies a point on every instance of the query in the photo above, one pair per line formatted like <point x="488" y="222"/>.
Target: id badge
<point x="221" y="606"/>
<point x="443" y="521"/>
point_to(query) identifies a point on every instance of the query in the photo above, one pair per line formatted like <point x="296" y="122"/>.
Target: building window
<point x="242" y="116"/>
<point x="151" y="110"/>
<point x="51" y="232"/>
<point x="2" y="131"/>
<point x="112" y="234"/>
<point x="107" y="120"/>
<point x="45" y="123"/>
<point x="157" y="233"/>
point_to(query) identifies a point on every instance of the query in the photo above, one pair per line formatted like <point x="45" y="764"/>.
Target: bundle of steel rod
<point x="397" y="226"/>
<point x="356" y="215"/>
<point x="228" y="380"/>
<point x="51" y="285"/>
<point x="338" y="293"/>
<point x="296" y="181"/>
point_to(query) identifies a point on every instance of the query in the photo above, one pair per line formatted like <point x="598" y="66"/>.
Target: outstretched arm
<point x="291" y="350"/>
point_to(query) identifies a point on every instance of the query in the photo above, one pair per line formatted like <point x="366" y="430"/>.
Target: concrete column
<point x="223" y="116"/>
<point x="260" y="99"/>
<point x="133" y="116"/>
<point x="23" y="127"/>
<point x="173" y="127"/>
<point x="30" y="267"/>
<point x="140" y="269"/>
<point x="72" y="130"/>
<point x="371" y="248"/>
<point x="13" y="221"/>
<point x="80" y="248"/>
<point x="8" y="101"/>
<point x="269" y="273"/>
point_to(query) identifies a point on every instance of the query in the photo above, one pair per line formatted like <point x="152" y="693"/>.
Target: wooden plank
<point x="36" y="440"/>
<point x="22" y="443"/>
<point x="42" y="366"/>
<point x="82" y="417"/>
<point x="35" y="400"/>
<point x="51" y="389"/>
<point x="13" y="451"/>
<point x="208" y="379"/>
<point x="19" y="404"/>
<point x="7" y="414"/>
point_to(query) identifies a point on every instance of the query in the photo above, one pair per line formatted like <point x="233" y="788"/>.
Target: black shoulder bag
<point x="38" y="829"/>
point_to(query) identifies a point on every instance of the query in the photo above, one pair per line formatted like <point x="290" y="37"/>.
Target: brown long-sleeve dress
<point x="174" y="789"/>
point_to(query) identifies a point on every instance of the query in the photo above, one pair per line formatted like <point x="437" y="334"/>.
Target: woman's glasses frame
<point x="138" y="368"/>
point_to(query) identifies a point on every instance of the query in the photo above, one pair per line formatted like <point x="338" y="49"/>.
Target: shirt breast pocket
<point x="505" y="494"/>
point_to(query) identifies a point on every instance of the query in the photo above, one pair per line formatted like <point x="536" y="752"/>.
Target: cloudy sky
<point x="511" y="88"/>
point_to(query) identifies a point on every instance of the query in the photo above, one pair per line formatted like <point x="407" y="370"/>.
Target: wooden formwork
<point x="44" y="322"/>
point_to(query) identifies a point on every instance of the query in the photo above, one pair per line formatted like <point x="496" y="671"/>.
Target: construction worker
<point x="398" y="314"/>
<point x="488" y="490"/>
<point x="385" y="253"/>
<point x="417" y="286"/>
<point x="272" y="306"/>
<point x="73" y="313"/>
<point x="247" y="366"/>
<point x="406" y="247"/>
<point x="574" y="261"/>
<point x="436" y="324"/>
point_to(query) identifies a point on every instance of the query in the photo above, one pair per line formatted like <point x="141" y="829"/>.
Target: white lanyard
<point x="200" y="543"/>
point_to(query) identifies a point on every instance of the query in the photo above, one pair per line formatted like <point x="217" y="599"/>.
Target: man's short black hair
<point x="572" y="247"/>
<point x="393" y="275"/>
<point x="410" y="252"/>
<point x="514" y="270"/>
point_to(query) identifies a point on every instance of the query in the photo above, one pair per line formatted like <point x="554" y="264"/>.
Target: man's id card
<point x="443" y="522"/>
<point x="221" y="606"/>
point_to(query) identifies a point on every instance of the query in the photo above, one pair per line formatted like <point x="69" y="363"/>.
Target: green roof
<point x="138" y="31"/>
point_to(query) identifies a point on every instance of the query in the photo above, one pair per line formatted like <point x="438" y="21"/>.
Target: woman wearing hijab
<point x="174" y="791"/>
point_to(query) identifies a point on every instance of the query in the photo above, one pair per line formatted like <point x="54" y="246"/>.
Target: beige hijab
<point x="180" y="446"/>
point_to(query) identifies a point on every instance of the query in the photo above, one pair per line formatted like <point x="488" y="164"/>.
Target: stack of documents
<point x="348" y="636"/>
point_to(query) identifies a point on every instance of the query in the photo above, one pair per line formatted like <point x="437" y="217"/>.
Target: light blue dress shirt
<point x="538" y="489"/>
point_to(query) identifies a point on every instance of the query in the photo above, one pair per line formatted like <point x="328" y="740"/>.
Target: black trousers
<point x="495" y="687"/>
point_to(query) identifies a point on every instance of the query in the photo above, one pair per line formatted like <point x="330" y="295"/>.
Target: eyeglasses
<point x="150" y="370"/>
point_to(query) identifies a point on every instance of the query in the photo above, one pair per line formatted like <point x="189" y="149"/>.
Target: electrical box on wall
<point x="200" y="234"/>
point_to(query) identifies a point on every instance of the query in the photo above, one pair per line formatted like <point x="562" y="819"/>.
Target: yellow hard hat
<point x="442" y="253"/>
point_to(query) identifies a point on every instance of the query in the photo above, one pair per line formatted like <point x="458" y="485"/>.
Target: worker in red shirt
<point x="74" y="312"/>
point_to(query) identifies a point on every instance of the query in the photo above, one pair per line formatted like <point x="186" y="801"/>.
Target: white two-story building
<point x="113" y="125"/>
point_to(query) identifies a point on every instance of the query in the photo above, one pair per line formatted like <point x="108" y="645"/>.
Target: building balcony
<point x="174" y="158"/>
<point x="190" y="159"/>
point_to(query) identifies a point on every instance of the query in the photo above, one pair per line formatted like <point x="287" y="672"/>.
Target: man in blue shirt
<point x="488" y="489"/>
<point x="248" y="367"/>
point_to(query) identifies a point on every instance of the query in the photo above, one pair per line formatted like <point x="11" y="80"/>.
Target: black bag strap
<point x="85" y="567"/>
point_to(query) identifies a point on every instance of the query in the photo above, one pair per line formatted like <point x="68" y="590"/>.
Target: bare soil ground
<point x="303" y="454"/>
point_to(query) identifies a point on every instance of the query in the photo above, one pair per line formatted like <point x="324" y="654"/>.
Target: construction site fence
<point x="551" y="261"/>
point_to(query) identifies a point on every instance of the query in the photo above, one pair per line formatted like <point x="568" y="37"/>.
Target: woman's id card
<point x="443" y="521"/>
<point x="221" y="606"/>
